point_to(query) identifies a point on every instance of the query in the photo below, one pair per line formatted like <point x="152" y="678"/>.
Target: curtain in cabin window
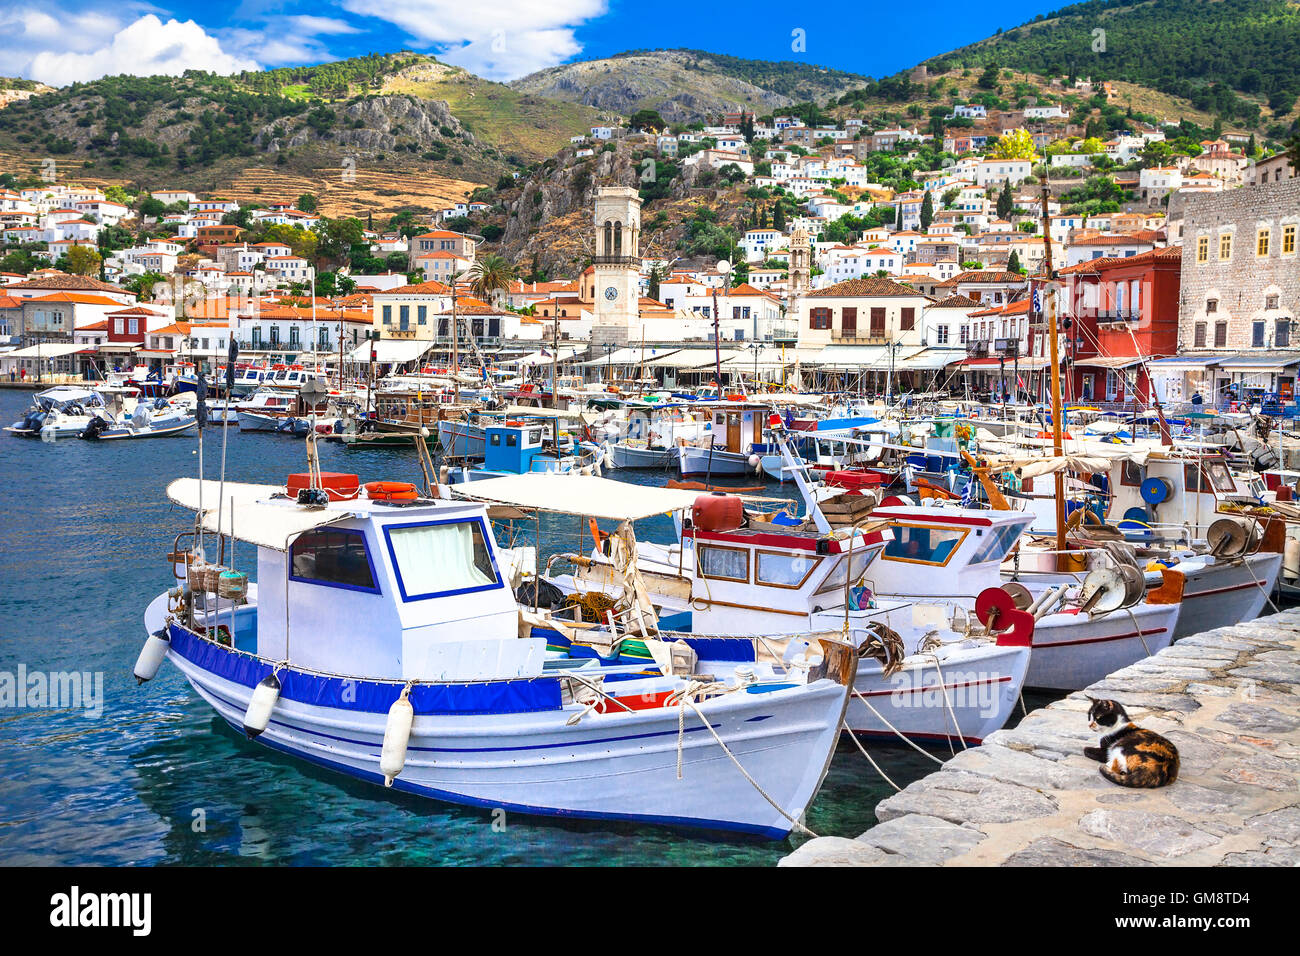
<point x="435" y="559"/>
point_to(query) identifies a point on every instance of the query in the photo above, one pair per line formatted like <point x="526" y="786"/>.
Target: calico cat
<point x="1129" y="755"/>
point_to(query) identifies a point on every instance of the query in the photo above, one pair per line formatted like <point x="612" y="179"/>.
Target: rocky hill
<point x="372" y="134"/>
<point x="686" y="85"/>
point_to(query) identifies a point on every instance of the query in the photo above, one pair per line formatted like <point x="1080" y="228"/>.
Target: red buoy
<point x="339" y="486"/>
<point x="717" y="512"/>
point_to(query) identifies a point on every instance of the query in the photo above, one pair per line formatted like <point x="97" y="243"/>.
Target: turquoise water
<point x="157" y="778"/>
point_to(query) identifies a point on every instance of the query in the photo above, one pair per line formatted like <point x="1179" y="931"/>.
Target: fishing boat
<point x="524" y="450"/>
<point x="781" y="586"/>
<point x="727" y="447"/>
<point x="382" y="641"/>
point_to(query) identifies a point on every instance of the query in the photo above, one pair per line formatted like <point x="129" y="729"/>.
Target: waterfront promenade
<point x="1229" y="699"/>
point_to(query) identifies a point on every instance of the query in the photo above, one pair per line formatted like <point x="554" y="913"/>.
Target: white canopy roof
<point x="50" y="350"/>
<point x="630" y="355"/>
<point x="578" y="494"/>
<point x="543" y="356"/>
<point x="390" y="350"/>
<point x="246" y="508"/>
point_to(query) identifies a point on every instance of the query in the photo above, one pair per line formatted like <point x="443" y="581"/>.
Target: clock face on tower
<point x="611" y="293"/>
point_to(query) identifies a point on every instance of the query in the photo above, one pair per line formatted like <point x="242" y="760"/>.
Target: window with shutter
<point x="908" y="321"/>
<point x="849" y="321"/>
<point x="878" y="322"/>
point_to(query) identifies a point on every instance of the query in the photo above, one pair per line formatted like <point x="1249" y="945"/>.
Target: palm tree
<point x="490" y="275"/>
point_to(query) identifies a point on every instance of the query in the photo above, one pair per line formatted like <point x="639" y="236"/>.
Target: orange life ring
<point x="391" y="491"/>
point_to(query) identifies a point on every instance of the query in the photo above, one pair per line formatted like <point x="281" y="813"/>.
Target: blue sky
<point x="84" y="39"/>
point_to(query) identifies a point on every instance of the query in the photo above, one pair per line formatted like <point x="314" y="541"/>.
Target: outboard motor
<point x="94" y="428"/>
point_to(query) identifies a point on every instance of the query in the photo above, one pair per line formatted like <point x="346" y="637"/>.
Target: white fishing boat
<point x="382" y="641"/>
<point x="1163" y="504"/>
<point x="727" y="448"/>
<point x="916" y="676"/>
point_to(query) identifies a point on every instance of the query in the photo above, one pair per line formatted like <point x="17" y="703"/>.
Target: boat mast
<point x="1049" y="303"/>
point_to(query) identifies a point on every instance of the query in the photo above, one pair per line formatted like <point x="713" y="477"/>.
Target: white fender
<point x="608" y="457"/>
<point x="151" y="657"/>
<point x="397" y="737"/>
<point x="1291" y="558"/>
<point x="258" y="715"/>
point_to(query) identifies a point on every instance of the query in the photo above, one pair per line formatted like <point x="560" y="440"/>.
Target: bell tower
<point x="617" y="263"/>
<point x="800" y="262"/>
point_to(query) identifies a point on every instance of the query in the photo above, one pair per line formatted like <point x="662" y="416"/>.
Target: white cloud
<point x="501" y="41"/>
<point x="146" y="47"/>
<point x="511" y="55"/>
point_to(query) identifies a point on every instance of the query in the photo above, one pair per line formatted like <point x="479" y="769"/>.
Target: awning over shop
<point x="50" y="350"/>
<point x="543" y="356"/>
<point x="687" y="359"/>
<point x="849" y="356"/>
<point x="1110" y="361"/>
<point x="930" y="359"/>
<point x="396" y="351"/>
<point x="632" y="355"/>
<point x="1260" y="362"/>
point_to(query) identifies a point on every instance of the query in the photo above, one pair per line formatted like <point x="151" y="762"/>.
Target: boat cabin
<point x="945" y="552"/>
<point x="1177" y="493"/>
<point x="742" y="578"/>
<point x="515" y="449"/>
<point x="736" y="426"/>
<point x="393" y="589"/>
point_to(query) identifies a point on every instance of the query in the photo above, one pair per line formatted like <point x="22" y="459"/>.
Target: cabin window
<point x="861" y="559"/>
<point x="1131" y="474"/>
<point x="727" y="564"/>
<point x="333" y="557"/>
<point x="779" y="570"/>
<point x="921" y="544"/>
<point x="441" y="558"/>
<point x="997" y="542"/>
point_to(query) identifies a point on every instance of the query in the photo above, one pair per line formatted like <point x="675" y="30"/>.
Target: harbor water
<point x="152" y="776"/>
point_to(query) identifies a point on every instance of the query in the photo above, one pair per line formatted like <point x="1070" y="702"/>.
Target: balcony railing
<point x="633" y="262"/>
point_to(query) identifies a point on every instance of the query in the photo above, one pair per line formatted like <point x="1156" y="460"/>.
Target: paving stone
<point x="1268" y="779"/>
<point x="1283" y="824"/>
<point x="922" y="839"/>
<point x="1269" y="856"/>
<point x="1258" y="718"/>
<point x="1049" y="851"/>
<point x="1271" y="673"/>
<point x="1016" y="766"/>
<point x="1159" y="834"/>
<point x="838" y="851"/>
<point x="962" y="797"/>
<point x="1195" y="750"/>
<point x="1203" y="800"/>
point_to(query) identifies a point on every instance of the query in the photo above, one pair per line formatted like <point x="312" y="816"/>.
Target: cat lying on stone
<point x="1129" y="755"/>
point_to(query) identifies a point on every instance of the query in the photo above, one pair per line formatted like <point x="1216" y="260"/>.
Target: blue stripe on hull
<point x="526" y="695"/>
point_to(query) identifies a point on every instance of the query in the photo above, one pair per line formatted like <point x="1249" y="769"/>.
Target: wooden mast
<point x="1049" y="304"/>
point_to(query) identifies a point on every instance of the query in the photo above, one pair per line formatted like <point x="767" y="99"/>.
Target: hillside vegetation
<point x="1238" y="59"/>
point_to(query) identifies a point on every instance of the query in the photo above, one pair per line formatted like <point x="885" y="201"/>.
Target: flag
<point x="1038" y="301"/>
<point x="968" y="494"/>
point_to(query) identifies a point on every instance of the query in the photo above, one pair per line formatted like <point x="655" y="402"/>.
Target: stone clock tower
<point x="617" y="264"/>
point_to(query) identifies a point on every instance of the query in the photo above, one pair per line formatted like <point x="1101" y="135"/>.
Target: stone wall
<point x="1241" y="285"/>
